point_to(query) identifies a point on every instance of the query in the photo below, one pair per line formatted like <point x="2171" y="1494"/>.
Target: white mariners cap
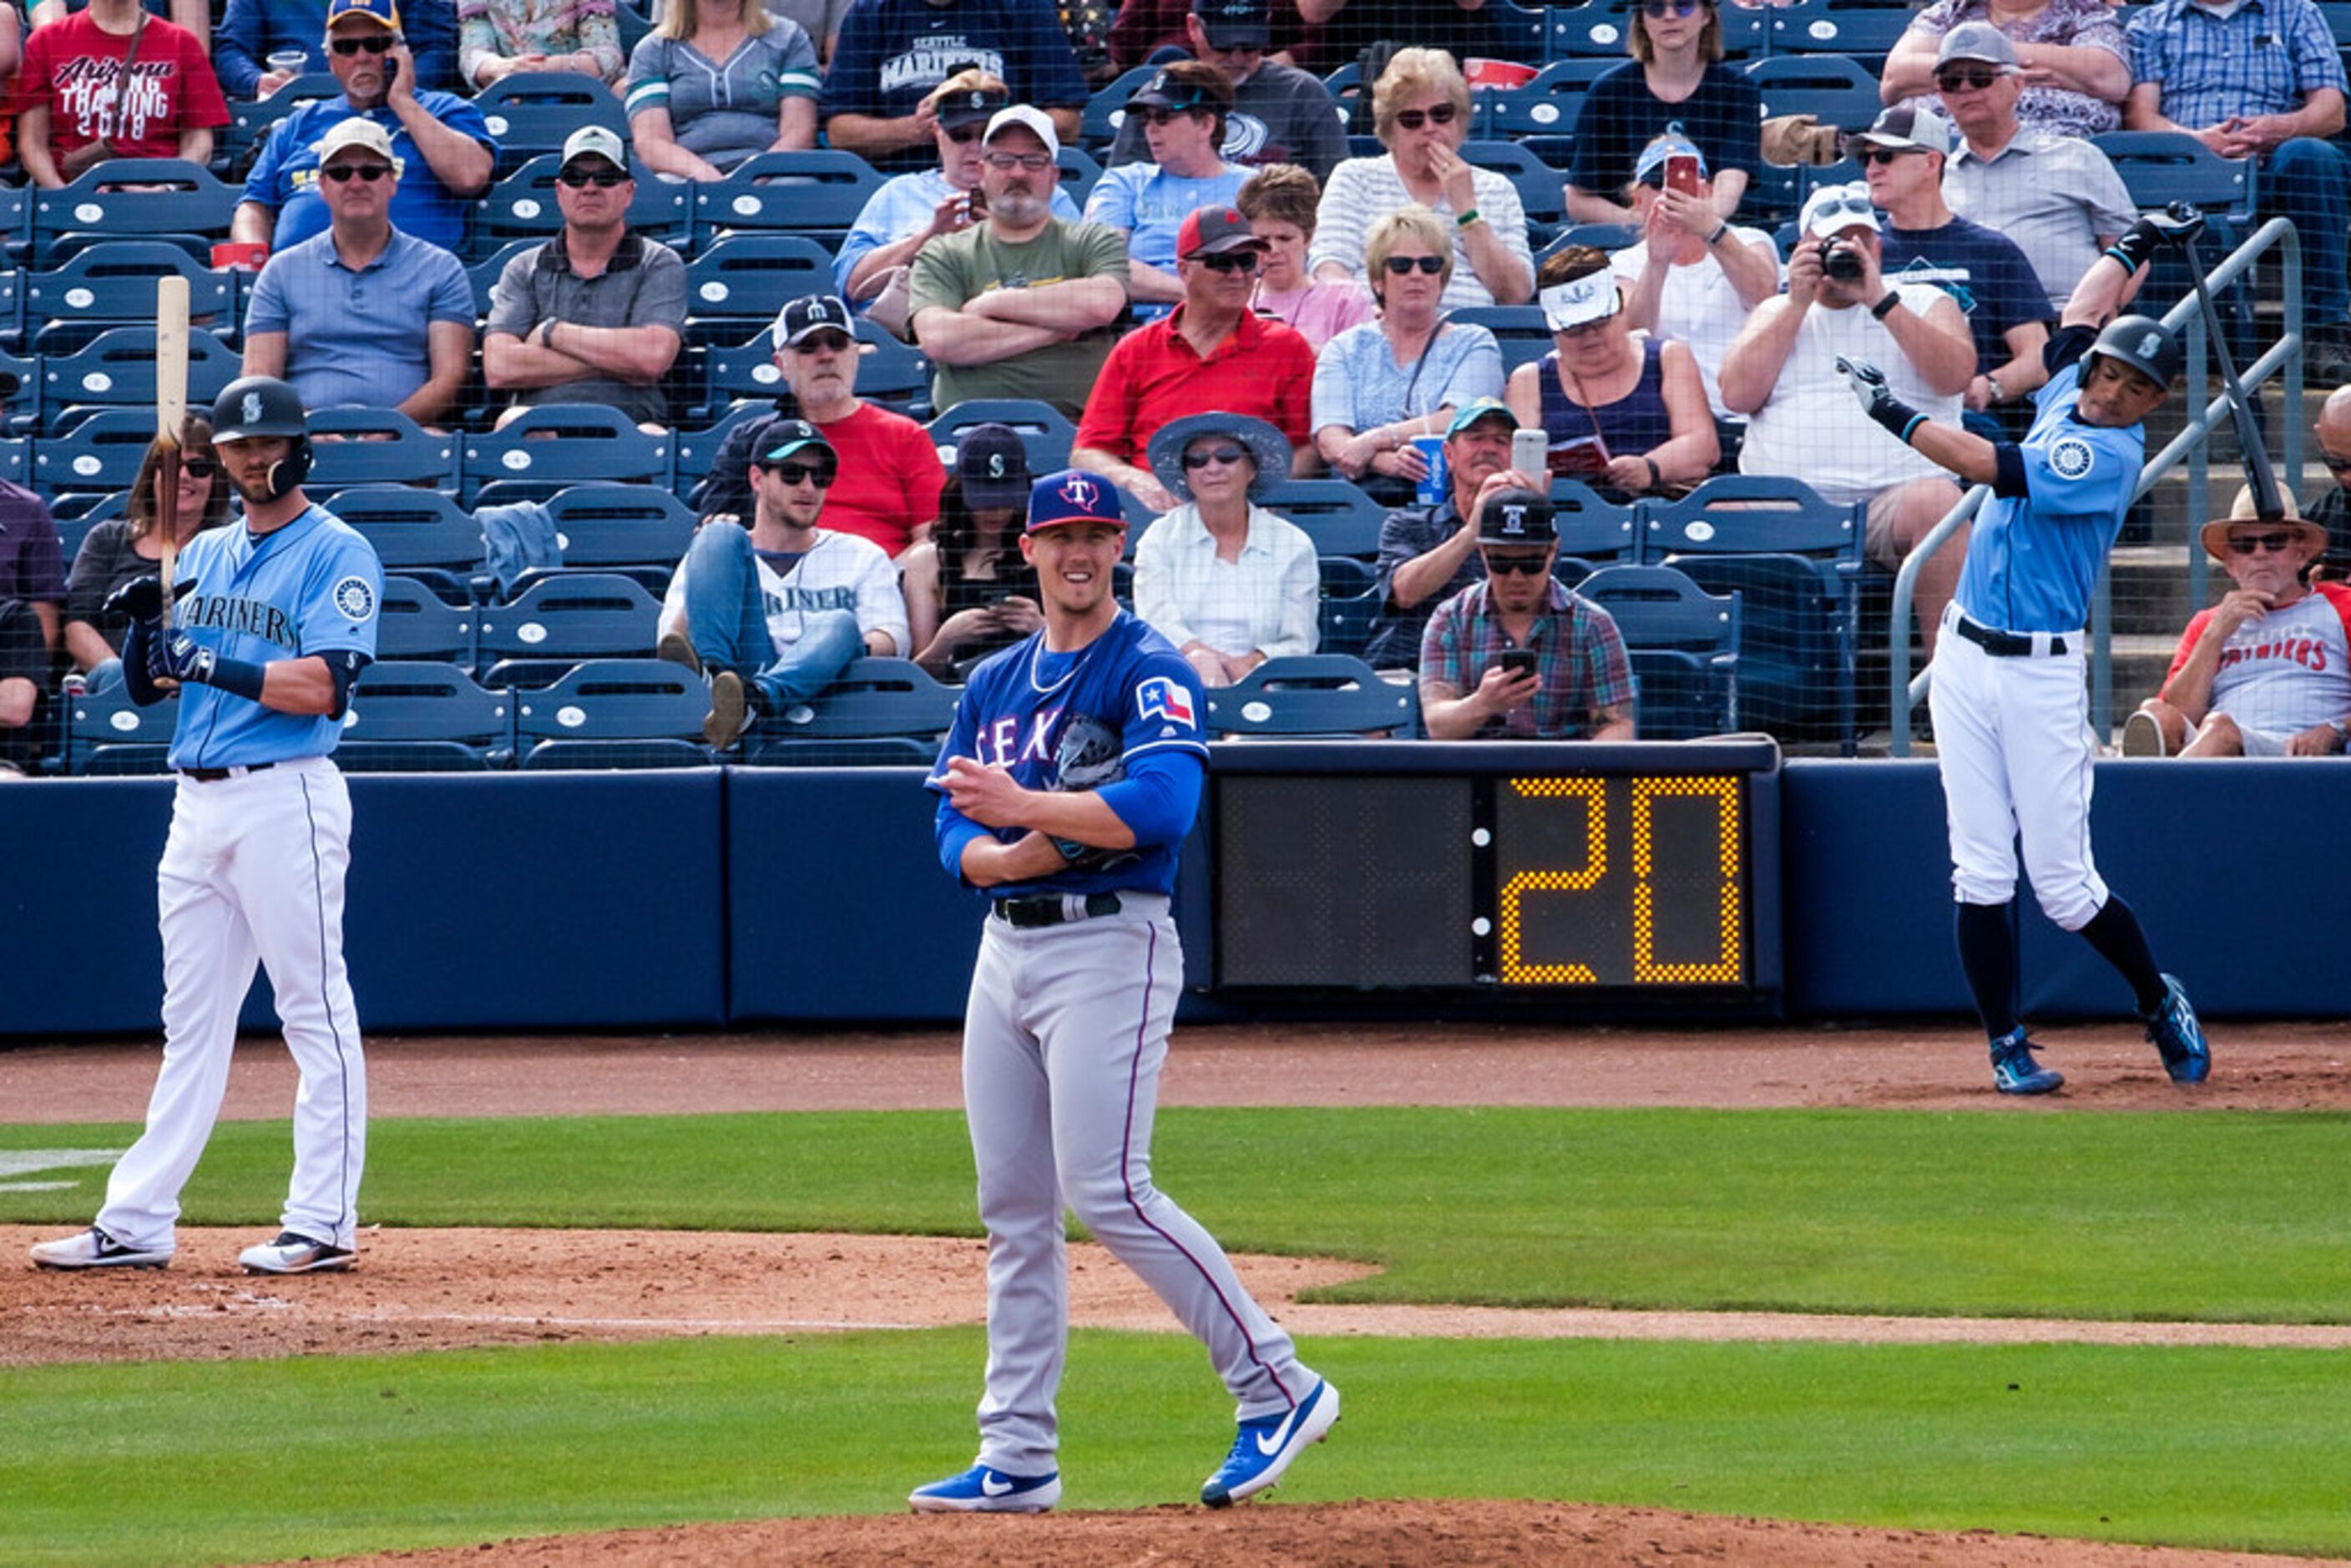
<point x="1030" y="117"/>
<point x="1833" y="209"/>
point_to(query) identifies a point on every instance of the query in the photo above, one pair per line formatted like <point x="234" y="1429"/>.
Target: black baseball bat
<point x="2269" y="504"/>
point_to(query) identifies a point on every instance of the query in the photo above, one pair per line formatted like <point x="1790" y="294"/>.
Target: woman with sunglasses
<point x="1183" y="108"/>
<point x="1380" y="386"/>
<point x="498" y="38"/>
<point x="715" y="83"/>
<point x="2072" y="54"/>
<point x="124" y="549"/>
<point x="1630" y="418"/>
<point x="1227" y="581"/>
<point x="1421" y="109"/>
<point x="1676" y="81"/>
<point x="911" y="209"/>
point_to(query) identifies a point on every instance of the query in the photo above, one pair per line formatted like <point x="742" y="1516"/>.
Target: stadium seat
<point x="93" y="450"/>
<point x="875" y="713"/>
<point x="2159" y="167"/>
<point x="118" y="368"/>
<point x="483" y="274"/>
<point x="115" y="201"/>
<point x="1045" y="435"/>
<point x="353" y="445"/>
<point x="558" y="444"/>
<point x="112" y="735"/>
<point x="1106" y="111"/>
<point x="522" y="205"/>
<point x="892" y="372"/>
<point x="529" y="113"/>
<point x="1337" y="516"/>
<point x="749" y="279"/>
<point x="614" y="713"/>
<point x="1593" y="530"/>
<point x="1521" y="329"/>
<point x="1594" y="31"/>
<point x="115" y="281"/>
<point x="638" y="530"/>
<point x="1343" y="577"/>
<point x="1866" y="32"/>
<point x="1683" y="644"/>
<point x="250" y="124"/>
<point x="414" y="622"/>
<point x="1599" y="236"/>
<point x="1079" y="172"/>
<point x="1795" y="561"/>
<point x="697" y="448"/>
<point x="418" y="716"/>
<point x="571" y="615"/>
<point x="1343" y="624"/>
<point x="1547" y="105"/>
<point x="422" y="533"/>
<point x="1313" y="694"/>
<point x="1832" y="89"/>
<point x="796" y="192"/>
<point x="1542" y="190"/>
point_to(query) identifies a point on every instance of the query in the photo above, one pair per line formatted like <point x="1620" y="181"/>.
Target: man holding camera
<point x="1783" y="373"/>
<point x="1515" y="655"/>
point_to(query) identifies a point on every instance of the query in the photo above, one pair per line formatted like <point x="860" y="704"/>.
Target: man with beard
<point x="1025" y="304"/>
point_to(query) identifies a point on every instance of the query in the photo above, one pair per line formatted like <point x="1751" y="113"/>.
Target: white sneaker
<point x="94" y="1249"/>
<point x="293" y="1253"/>
<point x="2142" y="736"/>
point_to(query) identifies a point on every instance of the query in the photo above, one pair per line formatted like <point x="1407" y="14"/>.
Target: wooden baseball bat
<point x="170" y="420"/>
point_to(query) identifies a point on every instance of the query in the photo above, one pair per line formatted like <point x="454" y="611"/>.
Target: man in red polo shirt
<point x="1213" y="352"/>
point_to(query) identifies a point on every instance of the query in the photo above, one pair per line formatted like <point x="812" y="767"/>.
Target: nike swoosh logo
<point x="991" y="1485"/>
<point x="1270" y="1444"/>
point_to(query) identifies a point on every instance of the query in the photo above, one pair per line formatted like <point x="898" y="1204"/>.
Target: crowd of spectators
<point x="1238" y="302"/>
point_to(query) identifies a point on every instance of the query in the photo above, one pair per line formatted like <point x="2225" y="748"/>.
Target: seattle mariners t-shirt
<point x="892" y="53"/>
<point x="838" y="572"/>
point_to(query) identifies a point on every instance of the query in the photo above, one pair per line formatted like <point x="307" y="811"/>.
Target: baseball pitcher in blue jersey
<point x="1067" y="786"/>
<point x="276" y="618"/>
<point x="2012" y="735"/>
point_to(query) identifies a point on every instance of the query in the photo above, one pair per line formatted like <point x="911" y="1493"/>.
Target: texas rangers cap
<point x="358" y="131"/>
<point x="595" y="141"/>
<point x="1516" y="517"/>
<point x="1073" y="496"/>
<point x="1029" y="118"/>
<point x="992" y="467"/>
<point x="1906" y="128"/>
<point x="779" y="438"/>
<point x="965" y="105"/>
<point x="1978" y="41"/>
<point x="810" y="313"/>
<point x="1235" y="24"/>
<point x="382" y="12"/>
<point x="1833" y="209"/>
<point x="1478" y="410"/>
<point x="1209" y="231"/>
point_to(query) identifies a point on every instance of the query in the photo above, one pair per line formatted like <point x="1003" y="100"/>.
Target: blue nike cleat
<point x="2013" y="1070"/>
<point x="1264" y="1447"/>
<point x="982" y="1490"/>
<point x="2179" y="1037"/>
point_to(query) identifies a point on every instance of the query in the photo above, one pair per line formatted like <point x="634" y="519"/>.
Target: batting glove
<point x="142" y="599"/>
<point x="1897" y="418"/>
<point x="180" y="658"/>
<point x="2175" y="226"/>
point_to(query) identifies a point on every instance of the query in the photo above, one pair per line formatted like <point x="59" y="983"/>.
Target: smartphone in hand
<point x="1530" y="452"/>
<point x="1517" y="661"/>
<point x="1681" y="174"/>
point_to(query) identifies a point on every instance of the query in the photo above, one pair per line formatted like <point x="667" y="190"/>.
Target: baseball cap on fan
<point x="1978" y="41"/>
<point x="992" y="467"/>
<point x="1029" y="118"/>
<point x="783" y="438"/>
<point x="357" y="131"/>
<point x="1906" y="128"/>
<point x="1235" y="24"/>
<point x="810" y="313"/>
<point x="1517" y="517"/>
<point x="382" y="12"/>
<point x="1210" y="231"/>
<point x="1073" y="496"/>
<point x="1833" y="209"/>
<point x="963" y="106"/>
<point x="594" y="141"/>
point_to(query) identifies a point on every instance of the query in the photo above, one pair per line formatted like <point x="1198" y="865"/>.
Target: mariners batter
<point x="1068" y="783"/>
<point x="2011" y="733"/>
<point x="277" y="619"/>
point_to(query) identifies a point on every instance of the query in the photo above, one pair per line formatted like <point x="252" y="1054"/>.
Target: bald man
<point x="2333" y="507"/>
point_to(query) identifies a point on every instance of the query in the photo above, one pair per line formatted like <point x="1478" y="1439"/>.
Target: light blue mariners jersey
<point x="1078" y="721"/>
<point x="2034" y="560"/>
<point x="311" y="587"/>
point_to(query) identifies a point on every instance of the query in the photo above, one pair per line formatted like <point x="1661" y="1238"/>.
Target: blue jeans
<point x="727" y="622"/>
<point x="104" y="677"/>
<point x="2307" y="183"/>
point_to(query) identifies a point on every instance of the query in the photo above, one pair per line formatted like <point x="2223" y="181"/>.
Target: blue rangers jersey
<point x="311" y="587"/>
<point x="1080" y="721"/>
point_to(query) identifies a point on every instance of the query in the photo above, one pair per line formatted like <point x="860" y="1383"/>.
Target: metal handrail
<point x="1903" y="692"/>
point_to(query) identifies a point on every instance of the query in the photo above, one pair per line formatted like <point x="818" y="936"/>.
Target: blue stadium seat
<point x="415" y="622"/>
<point x="2159" y="167"/>
<point x="560" y="443"/>
<point x="531" y="114"/>
<point x="1312" y="695"/>
<point x="485" y="274"/>
<point x="1547" y="105"/>
<point x="1591" y="528"/>
<point x="353" y="445"/>
<point x="1796" y="562"/>
<point x="797" y="192"/>
<point x="1683" y="646"/>
<point x="1596" y="30"/>
<point x="192" y="208"/>
<point x="1343" y="624"/>
<point x="419" y="716"/>
<point x="614" y="713"/>
<point x="422" y="533"/>
<point x="1542" y="190"/>
<point x="522" y="205"/>
<point x="1106" y="111"/>
<point x="1079" y="172"/>
<point x="638" y="530"/>
<point x="1832" y="89"/>
<point x="93" y="450"/>
<point x="572" y="615"/>
<point x="1865" y="32"/>
<point x="1045" y="435"/>
<point x="74" y="528"/>
<point x="250" y="124"/>
<point x="749" y="277"/>
<point x="875" y="713"/>
<point x="892" y="372"/>
<point x="697" y="448"/>
<point x="118" y="368"/>
<point x="112" y="735"/>
<point x="115" y="281"/>
<point x="1521" y="329"/>
<point x="1337" y="516"/>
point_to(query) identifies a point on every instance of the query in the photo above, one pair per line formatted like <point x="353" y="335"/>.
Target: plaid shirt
<point x="1579" y="657"/>
<point x="2266" y="58"/>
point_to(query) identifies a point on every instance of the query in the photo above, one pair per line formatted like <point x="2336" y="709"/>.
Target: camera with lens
<point x="1840" y="262"/>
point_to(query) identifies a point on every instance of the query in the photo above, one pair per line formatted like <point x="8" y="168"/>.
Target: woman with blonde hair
<point x="1675" y="82"/>
<point x="121" y="548"/>
<point x="718" y="82"/>
<point x="1421" y="111"/>
<point x="498" y="38"/>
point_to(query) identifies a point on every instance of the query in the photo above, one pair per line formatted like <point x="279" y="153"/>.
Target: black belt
<point x="1050" y="909"/>
<point x="2002" y="644"/>
<point x="214" y="775"/>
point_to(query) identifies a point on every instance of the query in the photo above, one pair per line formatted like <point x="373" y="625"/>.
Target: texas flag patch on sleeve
<point x="1164" y="697"/>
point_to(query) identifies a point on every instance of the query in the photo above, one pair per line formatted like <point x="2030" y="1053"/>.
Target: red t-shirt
<point x="1262" y="368"/>
<point x="890" y="478"/>
<point x="71" y="68"/>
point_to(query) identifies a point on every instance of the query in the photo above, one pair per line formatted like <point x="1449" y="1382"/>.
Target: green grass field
<point x="2217" y="1216"/>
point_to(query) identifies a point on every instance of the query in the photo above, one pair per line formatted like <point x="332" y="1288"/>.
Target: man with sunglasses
<point x="595" y="314"/>
<point x="1429" y="554"/>
<point x="2058" y="197"/>
<point x="1182" y="109"/>
<point x="1213" y="352"/>
<point x="2332" y="509"/>
<point x="440" y="143"/>
<point x="2267" y="671"/>
<point x="890" y="475"/>
<point x="364" y="313"/>
<point x="1281" y="114"/>
<point x="1578" y="683"/>
<point x="773" y="612"/>
<point x="876" y="101"/>
<point x="251" y="31"/>
<point x="2013" y="739"/>
<point x="1025" y="304"/>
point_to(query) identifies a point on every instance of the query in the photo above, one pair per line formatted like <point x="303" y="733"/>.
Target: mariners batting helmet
<point x="252" y="407"/>
<point x="2144" y="344"/>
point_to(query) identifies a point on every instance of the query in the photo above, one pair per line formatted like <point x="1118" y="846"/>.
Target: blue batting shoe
<point x="2179" y="1037"/>
<point x="1264" y="1447"/>
<point x="2013" y="1070"/>
<point x="980" y="1489"/>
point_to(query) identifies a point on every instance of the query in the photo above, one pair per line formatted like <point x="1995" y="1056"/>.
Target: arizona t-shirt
<point x="74" y="68"/>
